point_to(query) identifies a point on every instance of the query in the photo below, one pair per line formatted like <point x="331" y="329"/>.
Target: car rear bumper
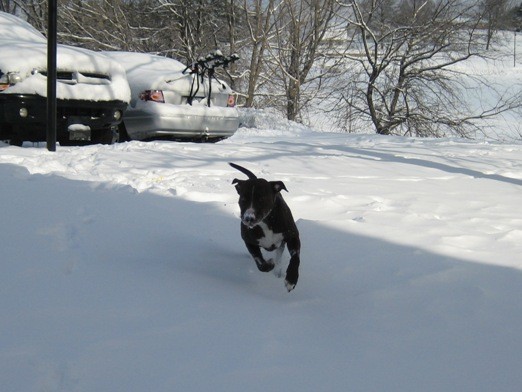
<point x="156" y="120"/>
<point x="25" y="116"/>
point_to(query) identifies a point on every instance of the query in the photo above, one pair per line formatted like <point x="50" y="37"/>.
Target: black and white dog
<point x="267" y="222"/>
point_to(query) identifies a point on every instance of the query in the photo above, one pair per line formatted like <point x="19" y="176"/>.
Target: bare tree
<point x="105" y="24"/>
<point x="231" y="15"/>
<point x="516" y="17"/>
<point x="258" y="15"/>
<point x="404" y="66"/>
<point x="194" y="27"/>
<point x="34" y="11"/>
<point x="8" y="6"/>
<point x="494" y="12"/>
<point x="300" y="28"/>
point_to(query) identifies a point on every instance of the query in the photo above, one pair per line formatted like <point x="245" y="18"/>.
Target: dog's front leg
<point x="292" y="272"/>
<point x="262" y="264"/>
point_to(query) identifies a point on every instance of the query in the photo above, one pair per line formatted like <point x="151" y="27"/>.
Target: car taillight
<point x="152" y="95"/>
<point x="231" y="101"/>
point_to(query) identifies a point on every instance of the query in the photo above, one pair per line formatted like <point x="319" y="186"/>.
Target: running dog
<point x="267" y="222"/>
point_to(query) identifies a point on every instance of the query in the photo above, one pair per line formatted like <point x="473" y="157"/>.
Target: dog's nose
<point x="249" y="216"/>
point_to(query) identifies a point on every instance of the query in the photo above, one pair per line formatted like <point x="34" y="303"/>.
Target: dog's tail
<point x="250" y="175"/>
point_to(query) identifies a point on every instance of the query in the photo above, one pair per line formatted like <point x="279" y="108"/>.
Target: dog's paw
<point x="292" y="275"/>
<point x="267" y="266"/>
<point x="264" y="265"/>
<point x="289" y="286"/>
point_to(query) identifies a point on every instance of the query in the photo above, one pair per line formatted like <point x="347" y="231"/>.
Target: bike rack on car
<point x="207" y="65"/>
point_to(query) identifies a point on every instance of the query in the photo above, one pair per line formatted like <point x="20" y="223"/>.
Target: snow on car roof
<point x="152" y="72"/>
<point x="148" y="71"/>
<point x="133" y="62"/>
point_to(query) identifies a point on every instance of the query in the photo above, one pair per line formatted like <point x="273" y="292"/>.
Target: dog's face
<point x="256" y="199"/>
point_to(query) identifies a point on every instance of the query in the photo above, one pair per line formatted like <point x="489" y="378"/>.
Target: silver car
<point x="171" y="101"/>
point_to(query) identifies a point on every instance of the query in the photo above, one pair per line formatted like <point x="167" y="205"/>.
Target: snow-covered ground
<point x="122" y="267"/>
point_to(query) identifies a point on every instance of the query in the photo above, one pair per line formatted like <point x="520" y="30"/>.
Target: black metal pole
<point x="51" y="75"/>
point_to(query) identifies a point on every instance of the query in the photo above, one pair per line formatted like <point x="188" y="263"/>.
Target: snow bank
<point x="266" y="123"/>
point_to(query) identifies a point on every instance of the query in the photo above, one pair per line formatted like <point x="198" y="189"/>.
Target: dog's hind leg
<point x="262" y="264"/>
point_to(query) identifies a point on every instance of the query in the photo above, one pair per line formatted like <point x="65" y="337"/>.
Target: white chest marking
<point x="269" y="239"/>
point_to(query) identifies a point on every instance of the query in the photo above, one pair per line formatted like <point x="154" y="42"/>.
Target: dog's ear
<point x="278" y="186"/>
<point x="238" y="184"/>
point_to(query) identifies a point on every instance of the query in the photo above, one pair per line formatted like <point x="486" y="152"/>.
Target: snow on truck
<point x="92" y="90"/>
